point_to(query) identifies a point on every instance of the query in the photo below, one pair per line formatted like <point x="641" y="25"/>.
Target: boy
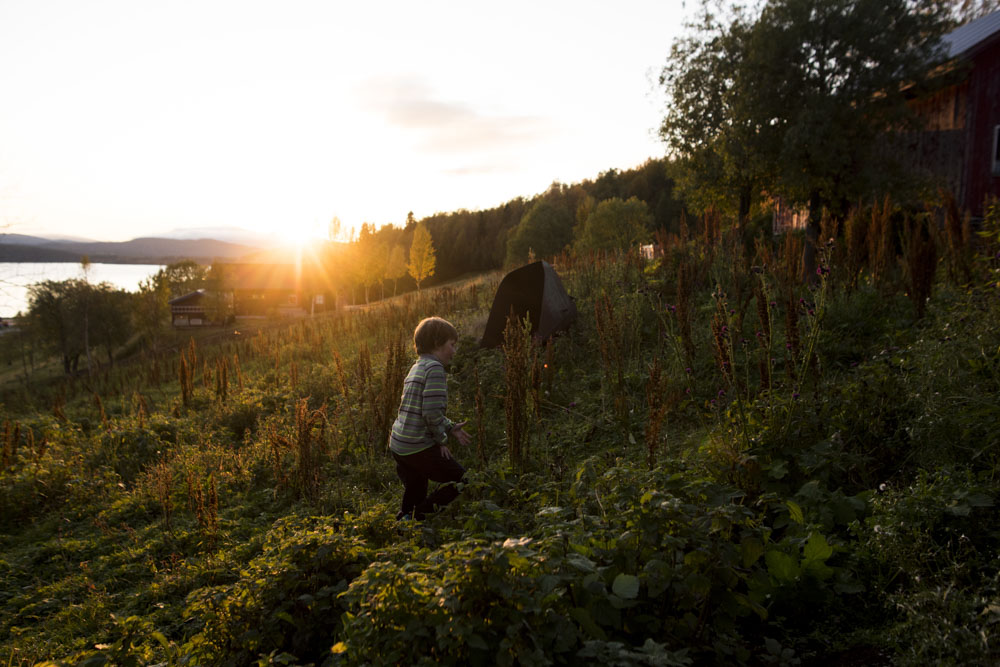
<point x="421" y="429"/>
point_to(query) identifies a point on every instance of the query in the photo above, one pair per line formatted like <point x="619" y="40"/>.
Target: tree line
<point x="617" y="209"/>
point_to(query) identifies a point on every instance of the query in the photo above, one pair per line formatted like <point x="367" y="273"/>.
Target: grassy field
<point x="715" y="465"/>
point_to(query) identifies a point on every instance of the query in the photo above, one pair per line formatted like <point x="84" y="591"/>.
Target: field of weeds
<point x="716" y="464"/>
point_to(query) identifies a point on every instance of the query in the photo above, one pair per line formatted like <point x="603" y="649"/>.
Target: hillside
<point x="21" y="248"/>
<point x="715" y="465"/>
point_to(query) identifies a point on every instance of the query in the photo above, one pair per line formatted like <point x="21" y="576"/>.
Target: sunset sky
<point x="129" y="118"/>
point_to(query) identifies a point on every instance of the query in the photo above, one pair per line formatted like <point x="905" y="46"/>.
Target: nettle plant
<point x="638" y="565"/>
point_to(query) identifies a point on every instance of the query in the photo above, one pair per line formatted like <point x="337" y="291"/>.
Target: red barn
<point x="289" y="290"/>
<point x="960" y="144"/>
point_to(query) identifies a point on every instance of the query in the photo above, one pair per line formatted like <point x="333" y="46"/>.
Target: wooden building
<point x="188" y="309"/>
<point x="959" y="147"/>
<point x="276" y="290"/>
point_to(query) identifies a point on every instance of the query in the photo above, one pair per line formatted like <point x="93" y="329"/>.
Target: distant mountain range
<point x="24" y="248"/>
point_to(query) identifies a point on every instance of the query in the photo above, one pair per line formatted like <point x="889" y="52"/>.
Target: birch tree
<point x="422" y="257"/>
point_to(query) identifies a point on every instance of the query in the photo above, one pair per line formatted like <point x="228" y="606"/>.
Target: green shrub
<point x="287" y="598"/>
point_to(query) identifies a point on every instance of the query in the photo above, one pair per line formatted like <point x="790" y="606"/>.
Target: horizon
<point x="130" y="121"/>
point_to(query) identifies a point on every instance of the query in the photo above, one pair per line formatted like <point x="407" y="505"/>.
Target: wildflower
<point x="724" y="329"/>
<point x="788" y="346"/>
<point x="572" y="404"/>
<point x="774" y="304"/>
<point x="722" y="392"/>
<point x="795" y="395"/>
<point x="672" y="308"/>
<point x="688" y="370"/>
<point x="688" y="390"/>
<point x="882" y="486"/>
<point x="822" y="270"/>
<point x="759" y="334"/>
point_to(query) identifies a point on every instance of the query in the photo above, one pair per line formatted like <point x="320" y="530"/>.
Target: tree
<point x="218" y="299"/>
<point x="69" y="315"/>
<point x="970" y="10"/>
<point x="615" y="224"/>
<point x="150" y="309"/>
<point x="334" y="229"/>
<point x="546" y="229"/>
<point x="422" y="257"/>
<point x="85" y="293"/>
<point x="840" y="66"/>
<point x="721" y="142"/>
<point x="55" y="314"/>
<point x="799" y="100"/>
<point x="396" y="265"/>
<point x="370" y="258"/>
<point x="180" y="278"/>
<point x="109" y="320"/>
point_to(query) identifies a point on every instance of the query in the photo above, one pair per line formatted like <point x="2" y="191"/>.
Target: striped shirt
<point x="421" y="422"/>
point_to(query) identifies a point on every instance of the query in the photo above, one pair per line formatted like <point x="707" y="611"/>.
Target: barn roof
<point x="262" y="276"/>
<point x="966" y="38"/>
<point x="308" y="276"/>
<point x="190" y="297"/>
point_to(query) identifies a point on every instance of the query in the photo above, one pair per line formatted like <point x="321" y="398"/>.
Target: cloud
<point x="446" y="126"/>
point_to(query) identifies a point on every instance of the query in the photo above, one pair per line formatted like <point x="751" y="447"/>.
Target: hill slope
<point x="20" y="248"/>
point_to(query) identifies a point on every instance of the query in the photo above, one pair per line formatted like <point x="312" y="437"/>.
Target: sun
<point x="300" y="235"/>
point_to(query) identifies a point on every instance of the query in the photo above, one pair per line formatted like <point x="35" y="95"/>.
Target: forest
<point x="748" y="448"/>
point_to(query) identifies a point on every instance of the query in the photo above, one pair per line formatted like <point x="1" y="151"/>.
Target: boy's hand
<point x="460" y="434"/>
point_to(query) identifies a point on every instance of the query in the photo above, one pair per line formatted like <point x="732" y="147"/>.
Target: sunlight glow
<point x="131" y="119"/>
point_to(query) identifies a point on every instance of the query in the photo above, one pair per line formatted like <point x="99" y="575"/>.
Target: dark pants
<point x="416" y="469"/>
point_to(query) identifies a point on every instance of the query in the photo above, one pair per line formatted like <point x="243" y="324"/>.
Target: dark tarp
<point x="533" y="290"/>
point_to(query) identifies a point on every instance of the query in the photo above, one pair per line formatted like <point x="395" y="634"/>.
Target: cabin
<point x="959" y="145"/>
<point x="200" y="308"/>
<point x="276" y="290"/>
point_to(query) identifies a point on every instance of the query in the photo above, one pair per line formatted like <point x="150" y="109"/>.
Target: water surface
<point x="15" y="277"/>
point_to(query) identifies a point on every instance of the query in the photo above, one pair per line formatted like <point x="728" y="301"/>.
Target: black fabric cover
<point x="533" y="290"/>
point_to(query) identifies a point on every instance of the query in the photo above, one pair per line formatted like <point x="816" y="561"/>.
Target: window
<point x="996" y="150"/>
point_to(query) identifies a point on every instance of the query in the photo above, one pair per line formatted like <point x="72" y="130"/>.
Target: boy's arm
<point x="435" y="400"/>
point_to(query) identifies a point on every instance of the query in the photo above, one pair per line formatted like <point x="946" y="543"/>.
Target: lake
<point x="15" y="277"/>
